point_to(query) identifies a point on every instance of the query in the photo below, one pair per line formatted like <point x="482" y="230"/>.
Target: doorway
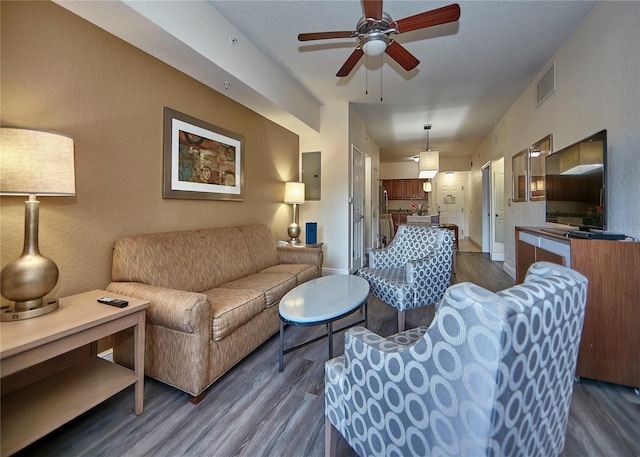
<point x="497" y="210"/>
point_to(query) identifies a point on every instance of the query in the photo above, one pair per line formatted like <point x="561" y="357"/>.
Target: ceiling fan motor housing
<point x="374" y="34"/>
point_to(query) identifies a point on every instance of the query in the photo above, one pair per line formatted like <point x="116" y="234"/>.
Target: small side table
<point x="303" y="245"/>
<point x="40" y="394"/>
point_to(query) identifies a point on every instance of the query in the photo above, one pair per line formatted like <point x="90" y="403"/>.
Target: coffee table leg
<point x="281" y="346"/>
<point x="330" y="336"/>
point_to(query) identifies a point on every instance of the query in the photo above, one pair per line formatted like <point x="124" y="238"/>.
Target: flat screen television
<point x="575" y="184"/>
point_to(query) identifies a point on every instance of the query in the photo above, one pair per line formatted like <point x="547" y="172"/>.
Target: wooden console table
<point x="50" y="371"/>
<point x="610" y="343"/>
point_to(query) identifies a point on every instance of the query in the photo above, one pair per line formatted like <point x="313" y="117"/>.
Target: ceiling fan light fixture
<point x="374" y="43"/>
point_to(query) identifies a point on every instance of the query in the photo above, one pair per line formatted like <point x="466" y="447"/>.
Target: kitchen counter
<point x="430" y="219"/>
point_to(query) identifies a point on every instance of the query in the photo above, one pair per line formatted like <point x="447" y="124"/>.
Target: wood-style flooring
<point x="254" y="410"/>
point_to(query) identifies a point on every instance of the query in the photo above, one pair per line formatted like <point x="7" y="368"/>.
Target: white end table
<point x="322" y="301"/>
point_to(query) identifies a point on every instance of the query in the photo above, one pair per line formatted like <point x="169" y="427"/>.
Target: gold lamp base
<point x="26" y="280"/>
<point x="294" y="233"/>
<point x="16" y="312"/>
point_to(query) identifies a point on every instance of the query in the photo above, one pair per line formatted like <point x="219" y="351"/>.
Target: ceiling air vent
<point x="547" y="85"/>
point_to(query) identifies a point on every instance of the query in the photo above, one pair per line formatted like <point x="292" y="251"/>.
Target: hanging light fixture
<point x="429" y="160"/>
<point x="426" y="186"/>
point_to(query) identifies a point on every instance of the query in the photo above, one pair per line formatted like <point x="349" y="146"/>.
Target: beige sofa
<point x="213" y="294"/>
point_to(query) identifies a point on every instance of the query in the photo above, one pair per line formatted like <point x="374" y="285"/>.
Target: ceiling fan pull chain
<point x="381" y="78"/>
<point x="366" y="76"/>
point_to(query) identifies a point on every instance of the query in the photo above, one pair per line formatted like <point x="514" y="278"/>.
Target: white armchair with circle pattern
<point x="491" y="376"/>
<point x="413" y="271"/>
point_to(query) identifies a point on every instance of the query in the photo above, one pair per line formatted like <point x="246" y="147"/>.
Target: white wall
<point x="331" y="212"/>
<point x="597" y="87"/>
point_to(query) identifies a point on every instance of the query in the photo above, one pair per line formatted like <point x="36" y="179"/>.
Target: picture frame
<point x="201" y="161"/>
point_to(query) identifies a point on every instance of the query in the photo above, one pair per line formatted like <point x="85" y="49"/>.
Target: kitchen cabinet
<point x="405" y="189"/>
<point x="410" y="188"/>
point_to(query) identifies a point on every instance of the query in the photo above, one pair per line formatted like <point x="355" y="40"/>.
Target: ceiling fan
<point x="374" y="32"/>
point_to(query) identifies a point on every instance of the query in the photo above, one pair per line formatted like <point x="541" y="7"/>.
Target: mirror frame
<point x="519" y="187"/>
<point x="536" y="168"/>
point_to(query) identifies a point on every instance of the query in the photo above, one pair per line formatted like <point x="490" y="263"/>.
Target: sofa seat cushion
<point x="232" y="308"/>
<point x="302" y="271"/>
<point x="274" y="285"/>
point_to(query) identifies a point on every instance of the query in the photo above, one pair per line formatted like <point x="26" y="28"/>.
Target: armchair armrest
<point x="187" y="312"/>
<point x="362" y="339"/>
<point x="311" y="256"/>
<point x="387" y="257"/>
<point x="414" y="267"/>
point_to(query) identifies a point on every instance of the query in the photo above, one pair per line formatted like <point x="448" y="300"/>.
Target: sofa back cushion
<point x="194" y="260"/>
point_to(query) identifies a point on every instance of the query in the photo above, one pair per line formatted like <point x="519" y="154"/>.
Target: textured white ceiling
<point x="470" y="73"/>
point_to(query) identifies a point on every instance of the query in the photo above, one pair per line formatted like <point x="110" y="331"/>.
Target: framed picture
<point x="201" y="161"/>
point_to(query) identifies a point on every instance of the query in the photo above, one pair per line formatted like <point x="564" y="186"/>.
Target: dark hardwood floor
<point x="254" y="410"/>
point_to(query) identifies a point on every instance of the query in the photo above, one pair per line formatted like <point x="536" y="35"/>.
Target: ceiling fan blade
<point x="324" y="35"/>
<point x="350" y="63"/>
<point x="438" y="16"/>
<point x="372" y="9"/>
<point x="400" y="54"/>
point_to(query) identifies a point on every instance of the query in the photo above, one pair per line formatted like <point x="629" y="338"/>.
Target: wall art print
<point x="201" y="161"/>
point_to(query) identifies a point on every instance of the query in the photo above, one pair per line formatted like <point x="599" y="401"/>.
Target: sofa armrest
<point x="187" y="312"/>
<point x="311" y="256"/>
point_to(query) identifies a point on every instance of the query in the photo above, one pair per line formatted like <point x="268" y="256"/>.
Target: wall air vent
<point x="547" y="85"/>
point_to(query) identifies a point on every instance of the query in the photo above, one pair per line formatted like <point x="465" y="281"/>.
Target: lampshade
<point x="294" y="192"/>
<point x="374" y="44"/>
<point x="582" y="158"/>
<point x="429" y="164"/>
<point x="426" y="186"/>
<point x="36" y="162"/>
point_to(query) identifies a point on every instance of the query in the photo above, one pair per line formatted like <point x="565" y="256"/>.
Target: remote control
<point x="113" y="302"/>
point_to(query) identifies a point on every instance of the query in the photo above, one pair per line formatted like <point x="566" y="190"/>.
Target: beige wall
<point x="597" y="88"/>
<point x="61" y="73"/>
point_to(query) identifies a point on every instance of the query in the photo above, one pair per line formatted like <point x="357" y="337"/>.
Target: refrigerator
<point x="383" y="200"/>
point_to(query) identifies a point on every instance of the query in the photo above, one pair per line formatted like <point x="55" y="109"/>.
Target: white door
<point x="356" y="201"/>
<point x="374" y="185"/>
<point x="486" y="208"/>
<point x="497" y="248"/>
<point x="450" y="193"/>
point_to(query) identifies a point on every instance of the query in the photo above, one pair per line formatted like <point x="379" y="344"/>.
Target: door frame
<point x="356" y="235"/>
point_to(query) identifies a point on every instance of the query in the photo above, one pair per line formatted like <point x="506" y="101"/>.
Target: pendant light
<point x="429" y="160"/>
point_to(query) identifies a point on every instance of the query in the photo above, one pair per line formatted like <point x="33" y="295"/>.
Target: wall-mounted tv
<point x="575" y="184"/>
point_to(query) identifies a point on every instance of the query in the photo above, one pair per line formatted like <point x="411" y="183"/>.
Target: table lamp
<point x="33" y="162"/>
<point x="294" y="194"/>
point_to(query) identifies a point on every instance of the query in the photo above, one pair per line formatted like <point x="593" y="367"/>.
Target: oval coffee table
<point x="322" y="301"/>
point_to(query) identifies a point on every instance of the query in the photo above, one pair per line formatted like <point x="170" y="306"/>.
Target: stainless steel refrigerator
<point x="383" y="199"/>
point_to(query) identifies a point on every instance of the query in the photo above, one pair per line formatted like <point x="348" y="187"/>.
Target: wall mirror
<point x="311" y="175"/>
<point x="519" y="176"/>
<point x="537" y="153"/>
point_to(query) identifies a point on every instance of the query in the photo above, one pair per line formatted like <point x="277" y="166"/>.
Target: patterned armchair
<point x="413" y="271"/>
<point x="491" y="376"/>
